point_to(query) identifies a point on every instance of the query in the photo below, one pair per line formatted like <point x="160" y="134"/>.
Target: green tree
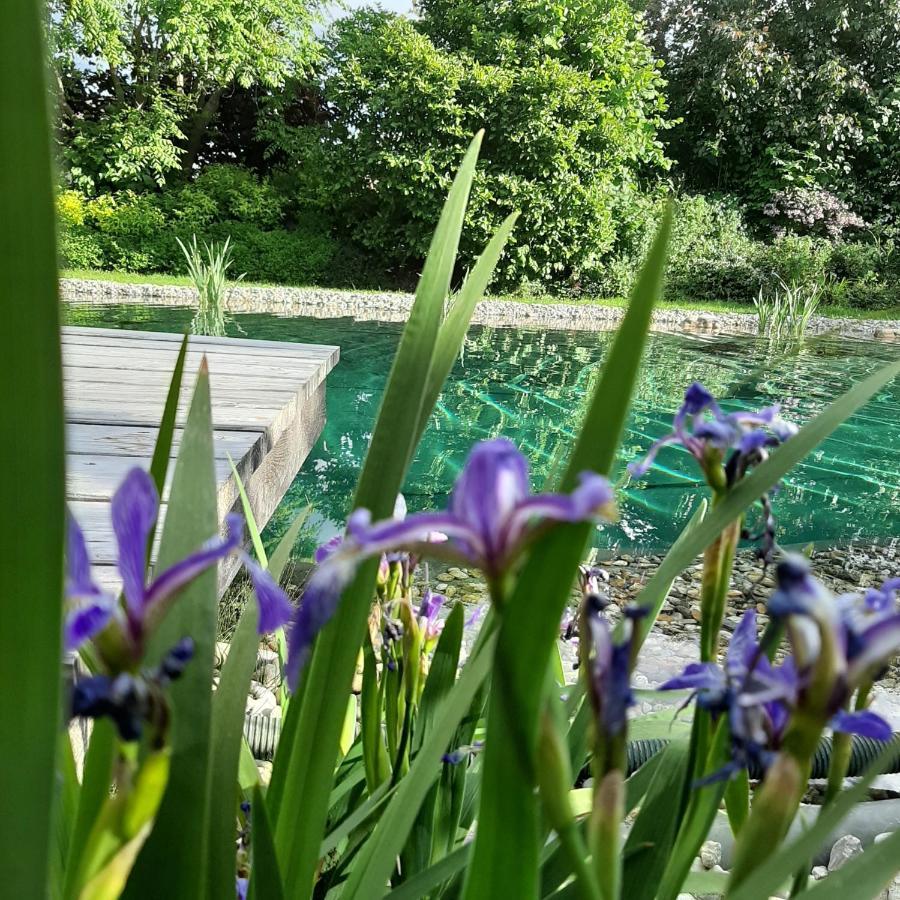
<point x="569" y="96"/>
<point x="140" y="82"/>
<point x="776" y="96"/>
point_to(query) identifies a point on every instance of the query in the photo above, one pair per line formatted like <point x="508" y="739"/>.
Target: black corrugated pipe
<point x="862" y="755"/>
<point x="262" y="735"/>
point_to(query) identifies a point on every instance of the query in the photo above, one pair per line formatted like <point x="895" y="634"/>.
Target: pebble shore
<point x="394" y="307"/>
<point x="673" y="642"/>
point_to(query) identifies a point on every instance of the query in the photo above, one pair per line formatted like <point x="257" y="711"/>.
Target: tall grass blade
<point x="779" y="868"/>
<point x="378" y="856"/>
<point x="178" y="845"/>
<point x="162" y="449"/>
<point x="31" y="434"/>
<point x="265" y="879"/>
<point x="229" y="703"/>
<point x="98" y="763"/>
<point x="249" y="517"/>
<point x="454" y="328"/>
<point x="531" y="623"/>
<point x="311" y="757"/>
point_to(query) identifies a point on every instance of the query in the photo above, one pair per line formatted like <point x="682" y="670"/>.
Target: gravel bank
<point x="676" y="635"/>
<point x="393" y="307"/>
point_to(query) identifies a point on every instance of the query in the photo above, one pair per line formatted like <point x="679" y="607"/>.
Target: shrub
<point x="79" y="248"/>
<point x="224" y="193"/>
<point x="811" y="211"/>
<point x="300" y="256"/>
<point x="568" y="125"/>
<point x="138" y="232"/>
<point x="711" y="256"/>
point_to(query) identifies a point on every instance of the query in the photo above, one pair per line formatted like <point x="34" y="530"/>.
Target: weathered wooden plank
<point x="139" y="440"/>
<point x="77" y="333"/>
<point x="268" y="410"/>
<point x="96" y="477"/>
<point x="235" y="380"/>
<point x="300" y="352"/>
<point x="119" y="359"/>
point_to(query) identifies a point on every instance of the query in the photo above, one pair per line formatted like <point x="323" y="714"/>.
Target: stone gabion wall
<point x="394" y="307"/>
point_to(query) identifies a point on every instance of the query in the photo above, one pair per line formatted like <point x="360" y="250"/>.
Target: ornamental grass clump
<point x="210" y="278"/>
<point x="413" y="762"/>
<point x="784" y="313"/>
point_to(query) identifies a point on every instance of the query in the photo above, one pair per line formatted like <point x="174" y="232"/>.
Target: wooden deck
<point x="268" y="409"/>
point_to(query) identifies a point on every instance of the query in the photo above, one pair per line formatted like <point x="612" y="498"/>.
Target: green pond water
<point x="531" y="386"/>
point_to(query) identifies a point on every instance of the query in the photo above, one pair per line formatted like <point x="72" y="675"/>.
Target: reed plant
<point x="209" y="272"/>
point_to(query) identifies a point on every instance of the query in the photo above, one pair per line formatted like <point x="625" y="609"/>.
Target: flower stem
<point x="575" y="849"/>
<point x="718" y="561"/>
<point x="606" y="833"/>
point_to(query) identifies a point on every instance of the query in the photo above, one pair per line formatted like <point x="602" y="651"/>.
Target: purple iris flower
<point x="135" y="507"/>
<point x="700" y="425"/>
<point x="748" y="690"/>
<point x="882" y="599"/>
<point x="609" y="678"/>
<point x="758" y="699"/>
<point x="868" y="632"/>
<point x="132" y="700"/>
<point x="492" y="515"/>
<point x="864" y="637"/>
<point x="429" y="623"/>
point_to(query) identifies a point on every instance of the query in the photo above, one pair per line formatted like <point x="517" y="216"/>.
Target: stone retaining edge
<point x="325" y="303"/>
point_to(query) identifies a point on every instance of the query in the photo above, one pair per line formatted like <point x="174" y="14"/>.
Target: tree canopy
<point x="139" y="82"/>
<point x="773" y="95"/>
<point x="571" y="104"/>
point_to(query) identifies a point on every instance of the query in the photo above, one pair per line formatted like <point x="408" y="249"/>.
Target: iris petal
<point x="864" y="723"/>
<point x="275" y="609"/>
<point x="134" y="510"/>
<point x="83" y="623"/>
<point x="181" y="573"/>
<point x="494" y="481"/>
<point x="318" y="604"/>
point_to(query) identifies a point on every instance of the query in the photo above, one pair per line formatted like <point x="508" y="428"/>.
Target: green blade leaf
<point x="779" y="868"/>
<point x="311" y="758"/>
<point x="162" y="449"/>
<point x="67" y="800"/>
<point x="378" y="856"/>
<point x="429" y="832"/>
<point x="453" y="330"/>
<point x="433" y="877"/>
<point x="265" y="878"/>
<point x="178" y="844"/>
<point x="31" y="431"/>
<point x="98" y="763"/>
<point x="282" y="553"/>
<point x="249" y="517"/>
<point x="866" y="875"/>
<point x="229" y="704"/>
<point x="442" y="674"/>
<point x="356" y="819"/>
<point x="604" y="422"/>
<point x="531" y="621"/>
<point x="698" y="819"/>
<point x="650" y="839"/>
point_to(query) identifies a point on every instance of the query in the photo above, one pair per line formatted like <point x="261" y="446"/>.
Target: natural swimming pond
<point x="531" y="385"/>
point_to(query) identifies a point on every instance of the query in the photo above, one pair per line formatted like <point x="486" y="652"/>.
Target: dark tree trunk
<point x="199" y="127"/>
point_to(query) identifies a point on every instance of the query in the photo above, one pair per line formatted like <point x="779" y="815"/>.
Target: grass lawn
<point x="892" y="312"/>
